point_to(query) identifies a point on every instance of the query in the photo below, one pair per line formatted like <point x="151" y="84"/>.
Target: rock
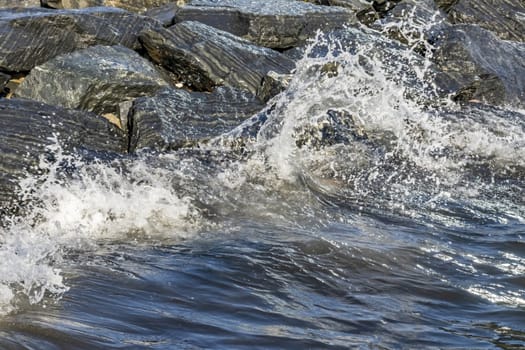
<point x="272" y="84"/>
<point x="164" y="14"/>
<point x="505" y="18"/>
<point x="95" y="79"/>
<point x="19" y="3"/>
<point x="4" y="78"/>
<point x="28" y="127"/>
<point x="130" y="5"/>
<point x="177" y="118"/>
<point x="489" y="69"/>
<point x="29" y="37"/>
<point x="416" y="23"/>
<point x="271" y="23"/>
<point x="420" y="79"/>
<point x="204" y="57"/>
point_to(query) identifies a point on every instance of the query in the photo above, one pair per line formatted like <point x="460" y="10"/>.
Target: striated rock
<point x="27" y="127"/>
<point x="178" y="118"/>
<point x="95" y="79"/>
<point x="19" y="3"/>
<point x="270" y="23"/>
<point x="4" y="78"/>
<point x="505" y="18"/>
<point x="130" y="5"/>
<point x="204" y="57"/>
<point x="272" y="84"/>
<point x="164" y="14"/>
<point x="29" y="37"/>
<point x="488" y="68"/>
<point x="420" y="79"/>
<point x="417" y="23"/>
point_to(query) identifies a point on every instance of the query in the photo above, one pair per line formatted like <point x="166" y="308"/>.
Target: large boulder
<point x="130" y="5"/>
<point x="19" y="3"/>
<point x="29" y="37"/>
<point x="27" y="128"/>
<point x="489" y="69"/>
<point x="176" y="118"/>
<point x="95" y="79"/>
<point x="204" y="57"/>
<point x="503" y="17"/>
<point x="270" y="23"/>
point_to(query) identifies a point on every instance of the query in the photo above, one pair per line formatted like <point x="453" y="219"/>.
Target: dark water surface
<point x="356" y="218"/>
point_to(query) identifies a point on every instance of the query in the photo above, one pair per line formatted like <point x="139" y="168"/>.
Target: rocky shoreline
<point x="116" y="77"/>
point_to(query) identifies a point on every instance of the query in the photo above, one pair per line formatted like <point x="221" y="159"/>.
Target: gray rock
<point x="506" y="18"/>
<point x="272" y="84"/>
<point x="164" y="14"/>
<point x="29" y="37"/>
<point x="416" y="23"/>
<point x="204" y="57"/>
<point x="130" y="5"/>
<point x="19" y="3"/>
<point x="27" y="127"/>
<point x="177" y="118"/>
<point x="95" y="79"/>
<point x="4" y="78"/>
<point x="270" y="23"/>
<point x="488" y="68"/>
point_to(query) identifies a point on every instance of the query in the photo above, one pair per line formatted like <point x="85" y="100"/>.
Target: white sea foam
<point x="97" y="202"/>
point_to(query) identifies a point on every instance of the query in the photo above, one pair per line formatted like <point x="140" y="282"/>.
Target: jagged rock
<point x="29" y="37"/>
<point x="164" y="14"/>
<point x="130" y="5"/>
<point x="416" y="23"/>
<point x="205" y="57"/>
<point x="503" y="17"/>
<point x="420" y="79"/>
<point x="95" y="79"/>
<point x="488" y="68"/>
<point x="272" y="84"/>
<point x="270" y="23"/>
<point x="4" y="78"/>
<point x="176" y="118"/>
<point x="27" y="127"/>
<point x="19" y="3"/>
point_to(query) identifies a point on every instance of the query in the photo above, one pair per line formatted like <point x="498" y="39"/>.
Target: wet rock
<point x="488" y="68"/>
<point x="130" y="5"/>
<point x="505" y="18"/>
<point x="95" y="79"/>
<point x="28" y="127"/>
<point x="270" y="23"/>
<point x="204" y="57"/>
<point x="19" y="3"/>
<point x="4" y="78"/>
<point x="177" y="118"/>
<point x="272" y="84"/>
<point x="164" y="14"/>
<point x="420" y="79"/>
<point x="417" y="23"/>
<point x="29" y="37"/>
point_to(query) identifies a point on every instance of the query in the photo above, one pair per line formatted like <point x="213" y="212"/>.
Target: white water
<point x="414" y="159"/>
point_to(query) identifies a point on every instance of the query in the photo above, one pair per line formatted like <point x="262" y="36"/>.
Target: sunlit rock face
<point x="204" y="56"/>
<point x="32" y="36"/>
<point x="130" y="5"/>
<point x="274" y="24"/>
<point x="95" y="79"/>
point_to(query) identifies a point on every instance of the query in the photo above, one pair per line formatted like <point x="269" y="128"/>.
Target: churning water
<point x="367" y="211"/>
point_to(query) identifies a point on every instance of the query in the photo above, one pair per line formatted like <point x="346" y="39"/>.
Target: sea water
<point x="369" y="211"/>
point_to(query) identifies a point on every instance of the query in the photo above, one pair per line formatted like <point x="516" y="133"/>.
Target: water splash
<point x="76" y="205"/>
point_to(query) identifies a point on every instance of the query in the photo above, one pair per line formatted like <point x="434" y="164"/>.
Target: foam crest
<point x="76" y="205"/>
